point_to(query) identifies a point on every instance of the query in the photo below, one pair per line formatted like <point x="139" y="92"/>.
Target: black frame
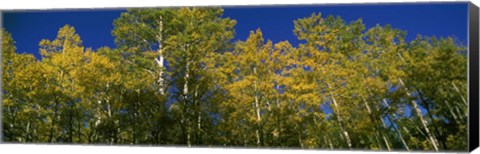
<point x="473" y="44"/>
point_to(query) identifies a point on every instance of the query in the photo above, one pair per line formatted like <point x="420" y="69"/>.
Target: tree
<point x="201" y="35"/>
<point x="17" y="108"/>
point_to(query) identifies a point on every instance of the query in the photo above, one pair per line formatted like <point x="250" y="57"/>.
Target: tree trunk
<point x="198" y="133"/>
<point x="160" y="58"/>
<point x="329" y="142"/>
<point x="299" y="135"/>
<point x="374" y="121"/>
<point x="460" y="115"/>
<point x="419" y="113"/>
<point x="70" y="125"/>
<point x="387" y="143"/>
<point x="429" y="113"/>
<point x="27" y="134"/>
<point x="342" y="126"/>
<point x="257" y="109"/>
<point x="278" y="111"/>
<point x="398" y="133"/>
<point x="54" y="121"/>
<point x="452" y="112"/>
<point x="459" y="93"/>
<point x="395" y="128"/>
<point x="55" y="110"/>
<point x="185" y="95"/>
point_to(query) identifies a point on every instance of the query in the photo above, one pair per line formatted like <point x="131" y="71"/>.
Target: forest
<point x="177" y="78"/>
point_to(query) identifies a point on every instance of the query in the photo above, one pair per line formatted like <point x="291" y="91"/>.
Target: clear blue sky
<point x="95" y="26"/>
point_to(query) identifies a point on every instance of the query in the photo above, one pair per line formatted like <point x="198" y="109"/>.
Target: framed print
<point x="369" y="77"/>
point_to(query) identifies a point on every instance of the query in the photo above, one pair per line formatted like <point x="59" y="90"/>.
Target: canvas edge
<point x="473" y="81"/>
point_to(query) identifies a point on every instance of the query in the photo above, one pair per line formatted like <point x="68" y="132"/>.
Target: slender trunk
<point x="55" y="110"/>
<point x="377" y="138"/>
<point x="109" y="114"/>
<point x="387" y="143"/>
<point x="198" y="133"/>
<point x="188" y="129"/>
<point x="54" y="121"/>
<point x="452" y="112"/>
<point x="185" y="123"/>
<point x="185" y="95"/>
<point x="459" y="93"/>
<point x="435" y="127"/>
<point x="300" y="140"/>
<point x="160" y="59"/>
<point x="396" y="117"/>
<point x="329" y="142"/>
<point x="92" y="138"/>
<point x="70" y="126"/>
<point x="183" y="126"/>
<point x="317" y="138"/>
<point x="135" y="119"/>
<point x="419" y="113"/>
<point x="299" y="135"/>
<point x="11" y="126"/>
<point x="245" y="139"/>
<point x="398" y="133"/>
<point x="199" y="129"/>
<point x="460" y="115"/>
<point x="395" y="128"/>
<point x="342" y="126"/>
<point x="418" y="128"/>
<point x="107" y="101"/>
<point x="278" y="121"/>
<point x="98" y="114"/>
<point x="423" y="121"/>
<point x="372" y="118"/>
<point x="375" y="120"/>
<point x="27" y="134"/>
<point x="257" y="109"/>
<point x="79" y="132"/>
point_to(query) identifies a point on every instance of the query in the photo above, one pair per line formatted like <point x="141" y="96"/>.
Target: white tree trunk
<point x="330" y="143"/>
<point x="451" y="111"/>
<point x="28" y="131"/>
<point x="459" y="93"/>
<point x="396" y="129"/>
<point x="424" y="122"/>
<point x="398" y="133"/>
<point x="199" y="113"/>
<point x="344" y="131"/>
<point x="376" y="127"/>
<point x="98" y="114"/>
<point x="257" y="108"/>
<point x="384" y="138"/>
<point x="185" y="95"/>
<point x="160" y="58"/>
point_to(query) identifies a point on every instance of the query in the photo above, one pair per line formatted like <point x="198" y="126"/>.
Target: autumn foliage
<point x="177" y="78"/>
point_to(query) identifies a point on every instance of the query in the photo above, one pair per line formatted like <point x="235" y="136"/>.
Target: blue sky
<point x="94" y="26"/>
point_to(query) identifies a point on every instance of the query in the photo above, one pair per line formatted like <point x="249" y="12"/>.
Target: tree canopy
<point x="177" y="78"/>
